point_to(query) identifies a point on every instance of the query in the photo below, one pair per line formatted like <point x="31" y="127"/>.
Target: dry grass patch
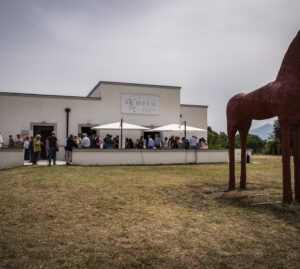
<point x="146" y="217"/>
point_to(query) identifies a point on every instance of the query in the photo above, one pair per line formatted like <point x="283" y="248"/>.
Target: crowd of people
<point x="32" y="145"/>
<point x="109" y="142"/>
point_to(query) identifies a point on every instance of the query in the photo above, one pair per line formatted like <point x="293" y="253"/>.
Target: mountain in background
<point x="263" y="131"/>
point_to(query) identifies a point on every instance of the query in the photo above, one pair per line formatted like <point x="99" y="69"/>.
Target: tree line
<point x="270" y="146"/>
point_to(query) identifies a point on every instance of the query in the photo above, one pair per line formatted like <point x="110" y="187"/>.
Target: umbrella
<point x="120" y="125"/>
<point x="177" y="128"/>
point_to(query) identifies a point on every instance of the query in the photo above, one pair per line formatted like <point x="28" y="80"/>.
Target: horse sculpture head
<point x="290" y="66"/>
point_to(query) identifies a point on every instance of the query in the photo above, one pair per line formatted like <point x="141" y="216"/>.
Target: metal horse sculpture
<point x="279" y="98"/>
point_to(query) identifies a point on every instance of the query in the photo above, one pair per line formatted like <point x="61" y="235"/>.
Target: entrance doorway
<point x="152" y="134"/>
<point x="88" y="131"/>
<point x="44" y="131"/>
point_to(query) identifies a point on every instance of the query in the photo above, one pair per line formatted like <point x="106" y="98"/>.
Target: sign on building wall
<point x="24" y="133"/>
<point x="140" y="104"/>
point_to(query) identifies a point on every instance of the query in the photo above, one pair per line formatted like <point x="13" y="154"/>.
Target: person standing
<point x="175" y="142"/>
<point x="109" y="142"/>
<point x="96" y="142"/>
<point x="140" y="143"/>
<point x="36" y="148"/>
<point x="126" y="143"/>
<point x="30" y="149"/>
<point x="157" y="141"/>
<point x="19" y="142"/>
<point x="116" y="142"/>
<point x="85" y="142"/>
<point x="150" y="144"/>
<point x="52" y="147"/>
<point x="130" y="143"/>
<point x="79" y="140"/>
<point x="11" y="142"/>
<point x="178" y="144"/>
<point x="182" y="145"/>
<point x="26" y="149"/>
<point x="170" y="142"/>
<point x="1" y="141"/>
<point x="93" y="141"/>
<point x="165" y="143"/>
<point x="69" y="149"/>
<point x="101" y="142"/>
<point x="193" y="142"/>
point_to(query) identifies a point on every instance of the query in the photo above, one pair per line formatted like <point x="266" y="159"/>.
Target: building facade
<point x="146" y="105"/>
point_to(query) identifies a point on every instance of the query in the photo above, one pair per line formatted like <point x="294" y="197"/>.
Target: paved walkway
<point x="45" y="162"/>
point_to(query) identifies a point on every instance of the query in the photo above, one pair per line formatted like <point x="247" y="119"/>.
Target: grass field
<point x="146" y="217"/>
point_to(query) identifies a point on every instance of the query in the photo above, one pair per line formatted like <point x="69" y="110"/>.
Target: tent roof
<point x="176" y="128"/>
<point x="117" y="126"/>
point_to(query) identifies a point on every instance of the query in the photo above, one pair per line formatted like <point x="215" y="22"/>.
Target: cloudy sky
<point x="213" y="49"/>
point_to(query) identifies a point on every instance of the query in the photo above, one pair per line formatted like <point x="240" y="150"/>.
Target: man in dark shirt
<point x="116" y="142"/>
<point x="140" y="143"/>
<point x="96" y="142"/>
<point x="93" y="141"/>
<point x="109" y="142"/>
<point x="52" y="147"/>
<point x="69" y="148"/>
<point x="31" y="152"/>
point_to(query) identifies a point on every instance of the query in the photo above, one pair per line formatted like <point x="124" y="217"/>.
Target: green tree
<point x="223" y="140"/>
<point x="254" y="142"/>
<point x="213" y="139"/>
<point x="274" y="141"/>
<point x="220" y="141"/>
<point x="273" y="146"/>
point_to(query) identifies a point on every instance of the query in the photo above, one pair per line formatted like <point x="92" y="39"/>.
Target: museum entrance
<point x="44" y="131"/>
<point x="88" y="131"/>
<point x="152" y="134"/>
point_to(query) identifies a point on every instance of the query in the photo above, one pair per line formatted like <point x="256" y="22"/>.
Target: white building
<point x="147" y="105"/>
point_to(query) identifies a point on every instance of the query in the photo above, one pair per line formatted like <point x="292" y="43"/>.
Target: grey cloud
<point x="213" y="49"/>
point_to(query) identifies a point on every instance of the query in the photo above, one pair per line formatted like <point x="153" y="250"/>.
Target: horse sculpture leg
<point x="231" y="134"/>
<point x="243" y="137"/>
<point x="297" y="161"/>
<point x="286" y="172"/>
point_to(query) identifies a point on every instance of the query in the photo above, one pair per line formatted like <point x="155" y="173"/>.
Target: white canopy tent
<point x="176" y="128"/>
<point x="117" y="126"/>
<point x="121" y="125"/>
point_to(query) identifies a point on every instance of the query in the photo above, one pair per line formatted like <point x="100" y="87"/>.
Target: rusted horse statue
<point x="279" y="98"/>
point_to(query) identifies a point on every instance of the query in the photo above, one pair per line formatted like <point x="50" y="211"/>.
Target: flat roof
<point x="204" y="106"/>
<point x="133" y="84"/>
<point x="71" y="97"/>
<point x="97" y="98"/>
<point x="49" y="96"/>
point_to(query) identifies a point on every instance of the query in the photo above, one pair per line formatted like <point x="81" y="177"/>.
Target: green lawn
<point x="146" y="217"/>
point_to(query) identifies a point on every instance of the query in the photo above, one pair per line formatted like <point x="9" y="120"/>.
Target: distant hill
<point x="263" y="131"/>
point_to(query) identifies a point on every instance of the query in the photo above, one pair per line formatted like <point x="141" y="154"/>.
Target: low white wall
<point x="60" y="155"/>
<point x="10" y="158"/>
<point x="237" y="154"/>
<point x="147" y="157"/>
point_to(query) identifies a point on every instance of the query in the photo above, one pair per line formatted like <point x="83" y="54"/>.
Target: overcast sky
<point x="213" y="49"/>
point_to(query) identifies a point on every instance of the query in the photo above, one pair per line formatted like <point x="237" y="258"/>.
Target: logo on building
<point x="140" y="104"/>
